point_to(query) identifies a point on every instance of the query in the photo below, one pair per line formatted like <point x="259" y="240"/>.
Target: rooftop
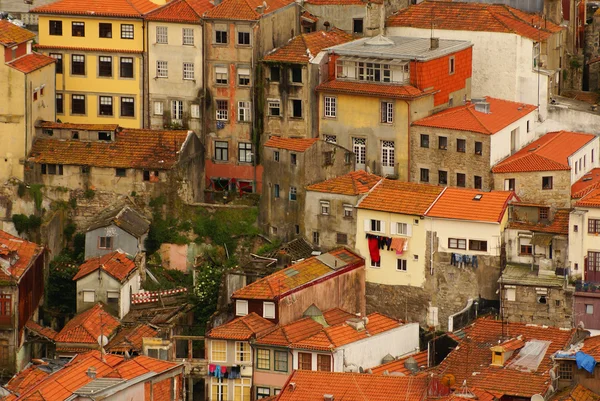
<point x="372" y="89"/>
<point x="467" y="118"/>
<point x="245" y="10"/>
<point x="549" y="153"/>
<point x="398" y="366"/>
<point x="308" y="271"/>
<point x="183" y="11"/>
<point x="293" y="144"/>
<point x="130" y="339"/>
<point x="241" y="328"/>
<point x="98" y="8"/>
<point x="400" y="197"/>
<point x="11" y="35"/>
<point x="523" y="275"/>
<point x="482" y="17"/>
<point x="41" y="331"/>
<point x="559" y="225"/>
<point x="16" y="256"/>
<point x="86" y="327"/>
<point x="354" y="183"/>
<point x="78" y="127"/>
<point x="303" y="48"/>
<point x="117" y="264"/>
<point x="399" y="48"/>
<point x="587" y="183"/>
<point x="128" y="218"/>
<point x="575" y="393"/>
<point x="592" y="199"/>
<point x="340" y="2"/>
<point x="30" y="62"/>
<point x="471" y="204"/>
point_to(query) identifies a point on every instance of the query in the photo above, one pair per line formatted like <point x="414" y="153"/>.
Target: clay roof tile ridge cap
<point x="369" y="192"/>
<point x="435" y="201"/>
<point x="471" y="110"/>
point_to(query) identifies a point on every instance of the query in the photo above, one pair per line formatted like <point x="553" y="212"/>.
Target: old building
<point x="290" y="164"/>
<point x="130" y="340"/>
<point x="329" y="208"/>
<point x="99" y="51"/>
<point x="537" y="296"/>
<point x="238" y="33"/>
<point x="122" y="227"/>
<point x="21" y="292"/>
<point x="403" y="364"/>
<point x="175" y="65"/>
<point x="573" y="374"/>
<point x="110" y="279"/>
<point x="331" y="280"/>
<point x="292" y="72"/>
<point x="458" y="146"/>
<point x="332" y="341"/>
<point x="584" y="244"/>
<point x="532" y="48"/>
<point x="543" y="171"/>
<point x="27" y="79"/>
<point x="378" y="86"/>
<point x="124" y="161"/>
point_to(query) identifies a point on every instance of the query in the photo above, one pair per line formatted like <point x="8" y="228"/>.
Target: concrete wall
<point x="101" y="283"/>
<point x="342" y="16"/>
<point x="331" y="224"/>
<point x="591" y="321"/>
<point x="580" y="241"/>
<point x="586" y="159"/>
<point x="560" y="247"/>
<point x="501" y="140"/>
<point x="561" y="117"/>
<point x="130" y="287"/>
<point x="557" y="311"/>
<point x="528" y="187"/>
<point x="121" y="240"/>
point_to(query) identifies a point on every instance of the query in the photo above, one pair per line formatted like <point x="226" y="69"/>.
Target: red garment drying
<point x="374" y="249"/>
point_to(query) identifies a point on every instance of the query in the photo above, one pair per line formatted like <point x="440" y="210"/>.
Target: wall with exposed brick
<point x="161" y="391"/>
<point x="557" y="311"/>
<point x="528" y="187"/>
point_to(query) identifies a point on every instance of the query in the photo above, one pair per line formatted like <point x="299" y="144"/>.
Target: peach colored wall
<point x="174" y="256"/>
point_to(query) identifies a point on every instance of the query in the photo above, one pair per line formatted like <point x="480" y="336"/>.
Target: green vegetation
<point x="24" y="224"/>
<point x="225" y="226"/>
<point x="61" y="290"/>
<point x="89" y="194"/>
<point x="69" y="230"/>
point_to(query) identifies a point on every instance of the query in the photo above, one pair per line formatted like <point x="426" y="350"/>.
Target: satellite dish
<point x="449" y="380"/>
<point x="537" y="397"/>
<point x="102" y="340"/>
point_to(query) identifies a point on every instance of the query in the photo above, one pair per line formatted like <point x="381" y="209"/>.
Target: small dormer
<point x="501" y="353"/>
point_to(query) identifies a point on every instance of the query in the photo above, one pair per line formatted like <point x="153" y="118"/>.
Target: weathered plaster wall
<point x="528" y="187"/>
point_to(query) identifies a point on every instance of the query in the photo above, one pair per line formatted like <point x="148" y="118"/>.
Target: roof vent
<point x="482" y="107"/>
<point x="587" y="178"/>
<point x="412" y="365"/>
<point x="478" y="197"/>
<point x="387" y="359"/>
<point x="91" y="372"/>
<point x="356" y="323"/>
<point x="434" y="43"/>
<point x="291" y="386"/>
<point x="327" y="397"/>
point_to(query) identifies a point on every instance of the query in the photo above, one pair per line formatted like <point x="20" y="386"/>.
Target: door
<point x="360" y="150"/>
<point x="387" y="157"/>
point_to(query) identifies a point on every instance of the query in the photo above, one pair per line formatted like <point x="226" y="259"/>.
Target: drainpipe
<point x="28" y="113"/>
<point x="254" y="106"/>
<point x="408" y="141"/>
<point x="145" y="84"/>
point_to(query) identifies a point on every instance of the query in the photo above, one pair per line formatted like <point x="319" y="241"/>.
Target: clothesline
<point x="380" y="242"/>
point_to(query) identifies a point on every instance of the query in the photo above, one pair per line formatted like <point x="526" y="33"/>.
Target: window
<point x="296" y="74"/>
<point x="106" y="105"/>
<point x="59" y="104"/>
<point x="296" y="108"/>
<point x="511" y="294"/>
<point x="276" y="191"/>
<point x="147" y="175"/>
<point x="324" y="363"/>
<point x="461" y="180"/>
<point x="281" y="361"/>
<point x="528" y="126"/>
<point x="589" y="309"/>
<point x="387" y="112"/>
<point x="242" y="351"/>
<point x="263" y="359"/>
<point x="293" y="194"/>
<point x="112" y="297"/>
<point x="104" y="136"/>
<point x="105" y="242"/>
<point x="219" y="389"/>
<point x="341" y="238"/>
<point x="478" y="148"/>
<point x="35" y="96"/>
<point x="262" y="392"/>
<point x="477" y="182"/>
<point x="195" y="110"/>
<point x="241" y="307"/>
<point x="424" y="175"/>
<point x="274" y="108"/>
<point x="222" y="110"/>
<point x="126" y="31"/>
<point x="401" y="265"/>
<point x="297" y="229"/>
<point x="526" y="249"/>
<point x="158" y="108"/>
<point x="89" y="296"/>
<point x="575" y="228"/>
<point x="245" y="152"/>
<point x="162" y="35"/>
<point x="328" y="158"/>
<point x="315" y="237"/>
<point x="78" y="64"/>
<point x="5" y="305"/>
<point x="276" y="156"/>
<point x="442" y="142"/>
<point x="543" y="213"/>
<point x="188" y="71"/>
<point x="243" y="36"/>
<point x="221" y="75"/>
<point x="162" y="69"/>
<point x="127" y="107"/>
<point x="357" y="26"/>
<point x="105" y="66"/>
<point x="375" y="225"/>
<point x="177" y="110"/>
<point x="461" y="145"/>
<point x="330" y="106"/>
<point x="241" y="390"/>
<point x="121" y="172"/>
<point x="546" y="182"/>
<point x="59" y="62"/>
<point x="348" y="211"/>
<point x="401" y="229"/>
<point x="269" y="310"/>
<point x="442" y="177"/>
<point x="593" y="226"/>
<point x="126" y="67"/>
<point x="509" y="184"/>
<point x="293" y="159"/>
<point x="221" y="34"/>
<point x="330" y="138"/>
<point x="451" y="65"/>
<point x="56" y="28"/>
<point x="565" y="369"/>
<point x="375" y="264"/>
<point x="218" y="351"/>
<point x="424" y="141"/>
<point x="593" y="262"/>
<point x="477" y="245"/>
<point x="243" y="76"/>
<point x="222" y="150"/>
<point x="77" y="104"/>
<point x="456" y="243"/>
<point x="304" y="361"/>
<point x="78" y="29"/>
<point x="244" y="111"/>
<point x="52" y="169"/>
<point x="188" y="37"/>
<point x="325" y="207"/>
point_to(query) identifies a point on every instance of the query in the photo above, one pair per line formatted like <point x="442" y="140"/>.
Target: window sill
<point x="276" y="117"/>
<point x="220" y="161"/>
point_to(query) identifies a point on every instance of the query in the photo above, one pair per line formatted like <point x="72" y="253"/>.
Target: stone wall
<point x="528" y="187"/>
<point x="557" y="311"/>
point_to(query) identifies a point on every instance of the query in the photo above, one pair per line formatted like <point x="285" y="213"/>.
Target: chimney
<point x="327" y="397"/>
<point x="291" y="387"/>
<point x="434" y="43"/>
<point x="91" y="372"/>
<point x="327" y="25"/>
<point x="482" y="107"/>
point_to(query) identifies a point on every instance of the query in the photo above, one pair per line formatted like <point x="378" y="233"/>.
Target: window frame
<point x="324" y="363"/>
<point x="213" y="350"/>
<point x="244" y="111"/>
<point x="58" y="65"/>
<point x="272" y="307"/>
<point x="294" y="103"/>
<point x="78" y="64"/>
<point x="60" y="101"/>
<point x="222" y="113"/>
<point x="240" y="351"/>
<point x="187" y="74"/>
<point x="187" y="33"/>
<point x="460" y="149"/>
<point x="105" y="242"/>
<point x="238" y="304"/>
<point x="127" y="31"/>
<point x="525" y="249"/>
<point x="330" y="106"/>
<point x="302" y="363"/>
<point x="549" y="180"/>
<point x="277" y="361"/>
<point x="461" y="183"/>
<point x="387" y="112"/>
<point x="274" y="104"/>
<point x="245" y="152"/>
<point x="478" y="245"/>
<point x="80" y="97"/>
<point x="221" y="153"/>
<point x="105" y="101"/>
<point x="55" y="27"/>
<point x="162" y="35"/>
<point x="293" y="194"/>
<point x="424" y="141"/>
<point x="401" y="265"/>
<point x="103" y="66"/>
<point x="124" y="106"/>
<point x="80" y="28"/>
<point x="221" y="36"/>
<point x="457" y="243"/>
<point x="124" y="61"/>
<point x="266" y="358"/>
<point x="162" y="69"/>
<point x="445" y="145"/>
<point x="424" y="175"/>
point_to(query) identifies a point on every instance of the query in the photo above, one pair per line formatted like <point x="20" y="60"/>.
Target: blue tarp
<point x="585" y="361"/>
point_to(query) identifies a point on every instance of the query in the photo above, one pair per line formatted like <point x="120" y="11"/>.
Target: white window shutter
<point x="409" y="230"/>
<point x="367" y="225"/>
<point x="506" y="185"/>
<point x="383" y="227"/>
<point x="393" y="228"/>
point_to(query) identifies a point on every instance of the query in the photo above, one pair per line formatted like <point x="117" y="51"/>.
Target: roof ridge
<point x="471" y="111"/>
<point x="493" y="15"/>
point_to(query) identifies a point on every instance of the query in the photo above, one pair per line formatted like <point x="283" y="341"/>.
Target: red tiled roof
<point x="302" y="48"/>
<point x="371" y="89"/>
<point x="576" y="393"/>
<point x="398" y="365"/>
<point x="132" y="148"/>
<point x="40" y="330"/>
<point x="11" y="35"/>
<point x="86" y="327"/>
<point x="87" y="49"/>
<point x="27" y="253"/>
<point x="79" y="127"/>
<point x="244" y="10"/>
<point x="293" y="144"/>
<point x="586" y="184"/>
<point x="97" y="8"/>
<point x="141" y="365"/>
<point x="116" y="264"/>
<point x="311" y="385"/>
<point x="25" y="379"/>
<point x="560" y="224"/>
<point x="473" y="17"/>
<point x="462" y="395"/>
<point x="592" y="199"/>
<point x="401" y="197"/>
<point x="466" y="118"/>
<point x="354" y="183"/>
<point x="31" y="62"/>
<point x="283" y="281"/>
<point x="341" y="2"/>
<point x="308" y="16"/>
<point x="130" y="339"/>
<point x="549" y="153"/>
<point x="461" y="203"/>
<point x="183" y="11"/>
<point x="241" y="328"/>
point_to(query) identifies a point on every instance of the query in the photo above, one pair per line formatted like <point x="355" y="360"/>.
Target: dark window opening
<point x="78" y="29"/>
<point x="56" y="28"/>
<point x="105" y="30"/>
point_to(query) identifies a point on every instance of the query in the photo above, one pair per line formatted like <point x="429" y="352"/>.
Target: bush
<point x="24" y="224"/>
<point x="69" y="230"/>
<point x="89" y="194"/>
<point x="61" y="290"/>
<point x="79" y="247"/>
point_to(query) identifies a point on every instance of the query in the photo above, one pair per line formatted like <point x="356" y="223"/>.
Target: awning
<point x="541" y="239"/>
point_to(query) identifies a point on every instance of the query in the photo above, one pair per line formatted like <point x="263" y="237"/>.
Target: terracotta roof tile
<point x="462" y="204"/>
<point x="132" y="148"/>
<point x="116" y="264"/>
<point x="244" y="10"/>
<point x="586" y="184"/>
<point x="11" y="35"/>
<point x="183" y="11"/>
<point x="576" y="393"/>
<point x="549" y="153"/>
<point x="31" y="62"/>
<point x="47" y="332"/>
<point x="559" y="225"/>
<point x="130" y="339"/>
<point x="400" y="197"/>
<point x="371" y="89"/>
<point x="141" y="365"/>
<point x="241" y="328"/>
<point x="465" y="393"/>
<point x="308" y="16"/>
<point x="466" y="118"/>
<point x="354" y="183"/>
<point x="473" y="17"/>
<point x="86" y="49"/>
<point x="27" y="252"/>
<point x="336" y="316"/>
<point x="302" y="48"/>
<point x="86" y="327"/>
<point x="341" y="2"/>
<point x="281" y="282"/>
<point x="79" y="127"/>
<point x="592" y="199"/>
<point x="25" y="379"/>
<point x="591" y="346"/>
<point x="398" y="365"/>
<point x="106" y="8"/>
<point x="293" y="144"/>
